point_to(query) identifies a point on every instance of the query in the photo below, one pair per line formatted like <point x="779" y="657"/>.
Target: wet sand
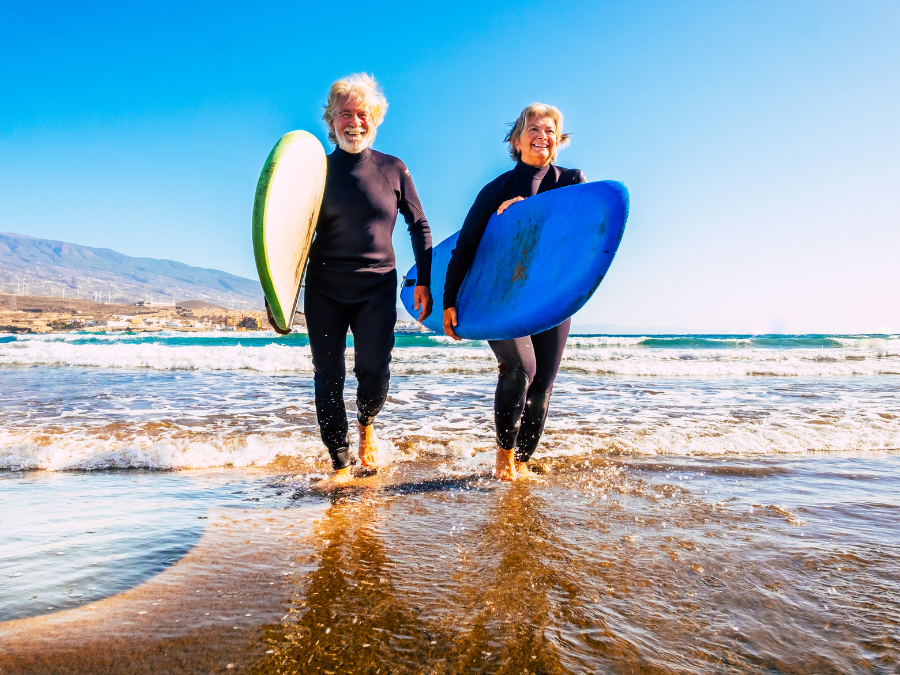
<point x="200" y="615"/>
<point x="600" y="565"/>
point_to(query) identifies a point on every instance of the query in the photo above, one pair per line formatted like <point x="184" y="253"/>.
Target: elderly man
<point x="351" y="279"/>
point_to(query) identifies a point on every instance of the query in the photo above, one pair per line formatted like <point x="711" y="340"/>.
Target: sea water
<point x="704" y="503"/>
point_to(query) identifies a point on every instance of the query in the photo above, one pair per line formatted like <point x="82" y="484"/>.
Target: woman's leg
<point x="517" y="369"/>
<point x="548" y="350"/>
<point x="327" y="321"/>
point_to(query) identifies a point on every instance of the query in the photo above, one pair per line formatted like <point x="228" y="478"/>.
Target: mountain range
<point x="46" y="267"/>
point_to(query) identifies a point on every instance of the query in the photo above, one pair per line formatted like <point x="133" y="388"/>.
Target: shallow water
<point x="70" y="539"/>
<point x="601" y="569"/>
<point x="719" y="504"/>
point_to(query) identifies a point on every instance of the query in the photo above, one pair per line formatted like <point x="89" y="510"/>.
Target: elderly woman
<point x="351" y="280"/>
<point x="528" y="365"/>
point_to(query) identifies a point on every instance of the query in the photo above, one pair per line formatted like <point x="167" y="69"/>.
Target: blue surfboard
<point x="536" y="265"/>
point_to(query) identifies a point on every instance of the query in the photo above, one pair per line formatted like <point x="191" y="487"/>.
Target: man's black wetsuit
<point x="528" y="365"/>
<point x="351" y="282"/>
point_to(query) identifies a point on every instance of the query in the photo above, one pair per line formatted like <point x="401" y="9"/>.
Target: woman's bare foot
<point x="337" y="479"/>
<point x="505" y="466"/>
<point x="523" y="470"/>
<point x="368" y="447"/>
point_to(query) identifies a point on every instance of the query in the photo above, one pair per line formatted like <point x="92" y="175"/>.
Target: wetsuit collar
<point x="350" y="157"/>
<point x="533" y="172"/>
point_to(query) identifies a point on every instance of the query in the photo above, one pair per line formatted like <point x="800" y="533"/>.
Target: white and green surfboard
<point x="285" y="211"/>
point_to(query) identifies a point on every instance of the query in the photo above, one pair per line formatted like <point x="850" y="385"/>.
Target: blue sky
<point x="759" y="140"/>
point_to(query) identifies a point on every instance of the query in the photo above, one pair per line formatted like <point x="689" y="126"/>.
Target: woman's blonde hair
<point x="365" y="89"/>
<point x="536" y="110"/>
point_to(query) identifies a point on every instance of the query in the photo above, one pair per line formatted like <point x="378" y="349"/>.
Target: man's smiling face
<point x="352" y="124"/>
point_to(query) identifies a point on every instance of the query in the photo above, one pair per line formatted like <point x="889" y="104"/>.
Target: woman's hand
<point x="272" y="321"/>
<point x="450" y="322"/>
<point x="509" y="202"/>
<point x="422" y="297"/>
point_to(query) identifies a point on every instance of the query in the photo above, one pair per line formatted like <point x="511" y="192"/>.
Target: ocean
<point x="702" y="503"/>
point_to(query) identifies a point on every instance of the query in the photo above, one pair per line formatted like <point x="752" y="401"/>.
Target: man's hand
<point x="450" y="322"/>
<point x="422" y="296"/>
<point x="509" y="202"/>
<point x="272" y="321"/>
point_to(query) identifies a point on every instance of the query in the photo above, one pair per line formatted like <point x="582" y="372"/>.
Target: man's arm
<point x="420" y="234"/>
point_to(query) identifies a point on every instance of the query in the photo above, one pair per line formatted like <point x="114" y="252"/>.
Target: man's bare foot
<point x="368" y="447"/>
<point x="337" y="479"/>
<point x="505" y="466"/>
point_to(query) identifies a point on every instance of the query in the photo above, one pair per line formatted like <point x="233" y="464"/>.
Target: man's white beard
<point x="359" y="145"/>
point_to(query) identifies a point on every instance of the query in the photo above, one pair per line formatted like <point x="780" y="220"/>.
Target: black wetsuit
<point x="528" y="365"/>
<point x="351" y="282"/>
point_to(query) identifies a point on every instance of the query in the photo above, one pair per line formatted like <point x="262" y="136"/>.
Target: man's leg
<point x="327" y="322"/>
<point x="548" y="351"/>
<point x="373" y="339"/>
<point x="517" y="368"/>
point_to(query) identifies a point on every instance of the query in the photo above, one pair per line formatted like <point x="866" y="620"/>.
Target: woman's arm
<point x="467" y="244"/>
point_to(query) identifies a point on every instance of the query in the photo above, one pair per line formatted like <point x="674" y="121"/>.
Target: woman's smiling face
<point x="537" y="144"/>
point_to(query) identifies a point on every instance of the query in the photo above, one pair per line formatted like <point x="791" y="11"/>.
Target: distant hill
<point x="55" y="267"/>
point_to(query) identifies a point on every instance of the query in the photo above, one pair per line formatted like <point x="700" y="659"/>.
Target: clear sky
<point x="760" y="140"/>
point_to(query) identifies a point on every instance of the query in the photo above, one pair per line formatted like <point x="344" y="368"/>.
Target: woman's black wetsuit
<point x="351" y="282"/>
<point x="528" y="365"/>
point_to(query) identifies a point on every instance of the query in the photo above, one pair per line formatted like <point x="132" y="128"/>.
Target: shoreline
<point x="199" y="615"/>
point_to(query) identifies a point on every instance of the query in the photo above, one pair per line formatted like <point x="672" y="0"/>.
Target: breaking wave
<point x="638" y="356"/>
<point x="462" y="451"/>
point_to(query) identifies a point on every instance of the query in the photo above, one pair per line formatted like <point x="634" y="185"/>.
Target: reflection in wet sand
<point x="593" y="569"/>
<point x="351" y="612"/>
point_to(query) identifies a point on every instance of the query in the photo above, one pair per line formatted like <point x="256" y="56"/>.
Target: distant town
<point x="41" y="314"/>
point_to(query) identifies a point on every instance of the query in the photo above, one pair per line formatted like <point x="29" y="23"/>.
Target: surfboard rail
<point x="285" y="210"/>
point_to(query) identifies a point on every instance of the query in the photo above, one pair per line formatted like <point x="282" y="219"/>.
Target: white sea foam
<point x="598" y="355"/>
<point x="447" y="340"/>
<point x="79" y="450"/>
<point x="268" y="358"/>
<point x="720" y="439"/>
<point x="460" y="447"/>
<point x="604" y="341"/>
<point x="737" y="363"/>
